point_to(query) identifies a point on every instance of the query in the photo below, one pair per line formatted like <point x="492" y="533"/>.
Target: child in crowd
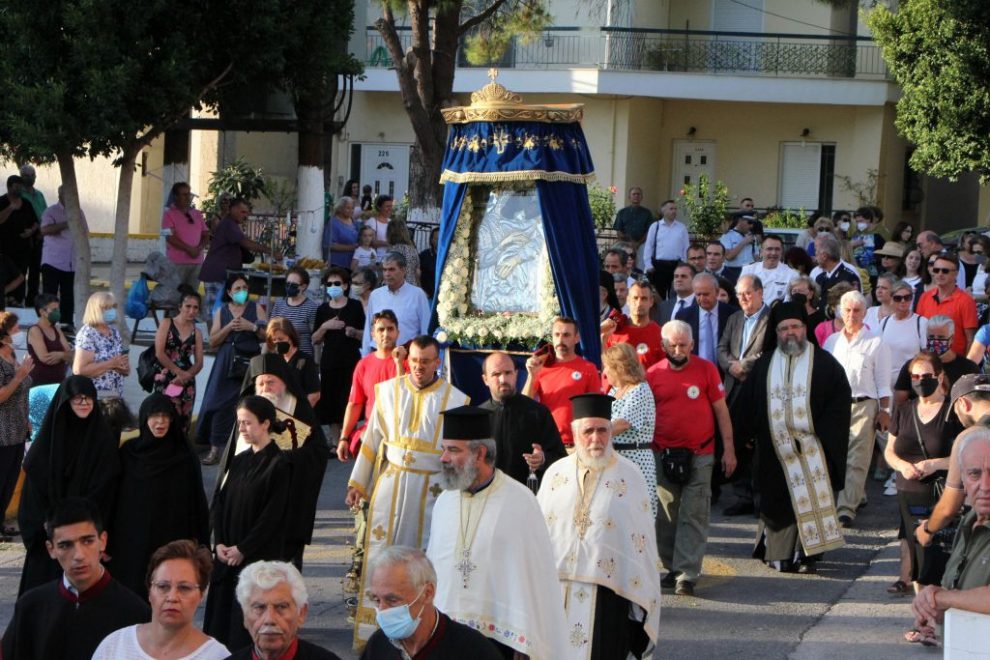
<point x="365" y="256"/>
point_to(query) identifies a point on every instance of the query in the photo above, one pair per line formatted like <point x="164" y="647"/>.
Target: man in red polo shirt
<point x="690" y="400"/>
<point x="949" y="300"/>
<point x="554" y="381"/>
<point x="640" y="331"/>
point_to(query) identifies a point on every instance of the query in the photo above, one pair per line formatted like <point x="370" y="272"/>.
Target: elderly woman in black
<point x="73" y="455"/>
<point x="247" y="516"/>
<point x="161" y="497"/>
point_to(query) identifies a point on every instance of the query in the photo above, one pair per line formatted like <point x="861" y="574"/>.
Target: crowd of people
<point x="781" y="375"/>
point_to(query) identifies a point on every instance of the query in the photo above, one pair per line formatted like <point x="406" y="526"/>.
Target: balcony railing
<point x="694" y="51"/>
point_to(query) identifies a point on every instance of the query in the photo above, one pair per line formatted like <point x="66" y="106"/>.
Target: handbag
<point x="676" y="464"/>
<point x="247" y="256"/>
<point x="147" y="369"/>
<point x="936" y="479"/>
<point x="238" y="366"/>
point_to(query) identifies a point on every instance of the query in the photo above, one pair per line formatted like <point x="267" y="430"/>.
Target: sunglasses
<point x="901" y="298"/>
<point x="922" y="376"/>
<point x="189" y="218"/>
<point x="942" y="271"/>
<point x="335" y="283"/>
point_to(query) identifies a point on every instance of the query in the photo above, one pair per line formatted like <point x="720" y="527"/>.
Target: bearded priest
<point x="490" y="547"/>
<point x="597" y="508"/>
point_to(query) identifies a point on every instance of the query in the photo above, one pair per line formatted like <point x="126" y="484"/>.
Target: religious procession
<point x="536" y="426"/>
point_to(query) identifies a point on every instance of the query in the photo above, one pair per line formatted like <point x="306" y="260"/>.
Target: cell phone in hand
<point x="545" y="350"/>
<point x="173" y="390"/>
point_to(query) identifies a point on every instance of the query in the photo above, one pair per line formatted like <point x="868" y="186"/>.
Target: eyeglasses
<point x="903" y="298"/>
<point x="184" y="588"/>
<point x="921" y="376"/>
<point x="942" y="271"/>
<point x="81" y="400"/>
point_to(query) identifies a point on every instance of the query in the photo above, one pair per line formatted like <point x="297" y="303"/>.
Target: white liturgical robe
<point x="397" y="471"/>
<point x="603" y="535"/>
<point x="505" y="585"/>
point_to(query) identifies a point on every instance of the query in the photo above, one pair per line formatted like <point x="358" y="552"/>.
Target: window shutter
<point x="800" y="170"/>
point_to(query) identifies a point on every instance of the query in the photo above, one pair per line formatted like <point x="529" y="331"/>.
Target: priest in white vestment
<point x="597" y="508"/>
<point x="490" y="546"/>
<point x="398" y="466"/>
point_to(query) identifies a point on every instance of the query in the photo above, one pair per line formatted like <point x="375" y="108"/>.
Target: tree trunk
<point x="121" y="225"/>
<point x="309" y="179"/>
<point x="425" y="191"/>
<point x="80" y="238"/>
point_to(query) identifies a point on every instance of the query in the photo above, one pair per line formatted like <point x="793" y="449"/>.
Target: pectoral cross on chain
<point x="582" y="521"/>
<point x="464" y="566"/>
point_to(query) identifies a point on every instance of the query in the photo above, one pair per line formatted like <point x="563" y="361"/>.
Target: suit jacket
<point x="665" y="311"/>
<point x="728" y="273"/>
<point x="730" y="346"/>
<point x="690" y="316"/>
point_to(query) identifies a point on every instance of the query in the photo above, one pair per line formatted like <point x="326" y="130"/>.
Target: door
<point x="692" y="158"/>
<point x="385" y="167"/>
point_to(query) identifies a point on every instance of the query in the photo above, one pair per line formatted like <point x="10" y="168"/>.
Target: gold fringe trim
<point x="517" y="175"/>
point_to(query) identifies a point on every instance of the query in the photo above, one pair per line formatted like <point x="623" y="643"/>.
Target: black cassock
<point x="517" y="423"/>
<point x="830" y="401"/>
<point x="249" y="511"/>
<point x="161" y="497"/>
<point x="304" y="651"/>
<point x="51" y="623"/>
<point x="451" y="640"/>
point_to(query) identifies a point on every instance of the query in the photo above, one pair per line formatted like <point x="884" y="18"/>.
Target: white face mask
<point x="844" y="226"/>
<point x="861" y="226"/>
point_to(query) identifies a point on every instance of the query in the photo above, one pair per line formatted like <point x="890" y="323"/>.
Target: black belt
<point x="633" y="445"/>
<point x="861" y="399"/>
<point x="667" y="261"/>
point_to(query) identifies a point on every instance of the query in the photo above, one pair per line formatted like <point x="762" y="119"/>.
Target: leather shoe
<point x="739" y="509"/>
<point x="845" y="521"/>
<point x="669" y="581"/>
<point x="684" y="588"/>
<point x="211" y="458"/>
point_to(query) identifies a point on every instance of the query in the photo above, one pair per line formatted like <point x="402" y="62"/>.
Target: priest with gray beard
<point x="597" y="508"/>
<point x="795" y="402"/>
<point x="490" y="546"/>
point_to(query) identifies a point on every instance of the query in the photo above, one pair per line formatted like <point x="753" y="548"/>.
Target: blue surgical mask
<point x="109" y="315"/>
<point x="397" y="622"/>
<point x="335" y="291"/>
<point x="239" y="297"/>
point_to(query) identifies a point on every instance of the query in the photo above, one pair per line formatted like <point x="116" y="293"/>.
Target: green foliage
<point x="706" y="205"/>
<point x="281" y="193"/>
<point x="939" y="53"/>
<point x="785" y="219"/>
<point x="602" y="201"/>
<point x="865" y="192"/>
<point x="520" y="20"/>
<point x="238" y="179"/>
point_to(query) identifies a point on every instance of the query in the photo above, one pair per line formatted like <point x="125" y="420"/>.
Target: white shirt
<point x="123" y="645"/>
<point x="866" y="361"/>
<point x="775" y="280"/>
<point x="745" y="256"/>
<point x="904" y="339"/>
<point x="666" y="242"/>
<point x="411" y="308"/>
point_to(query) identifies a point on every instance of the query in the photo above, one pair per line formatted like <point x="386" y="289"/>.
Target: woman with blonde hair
<point x="100" y="356"/>
<point x="633" y="411"/>
<point x="400" y="241"/>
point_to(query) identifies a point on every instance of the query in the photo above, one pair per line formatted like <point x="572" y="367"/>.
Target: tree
<point x="937" y="52"/>
<point x="426" y="69"/>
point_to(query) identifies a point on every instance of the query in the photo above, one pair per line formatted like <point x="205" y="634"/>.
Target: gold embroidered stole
<point x="800" y="452"/>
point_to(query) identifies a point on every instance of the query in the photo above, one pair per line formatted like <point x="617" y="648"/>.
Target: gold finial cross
<point x="492" y="74"/>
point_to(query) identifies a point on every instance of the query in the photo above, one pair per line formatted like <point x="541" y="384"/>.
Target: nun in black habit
<point x="304" y="444"/>
<point x="161" y="497"/>
<point x="74" y="454"/>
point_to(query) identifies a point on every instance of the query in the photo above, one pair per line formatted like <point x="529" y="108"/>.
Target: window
<point x="807" y="175"/>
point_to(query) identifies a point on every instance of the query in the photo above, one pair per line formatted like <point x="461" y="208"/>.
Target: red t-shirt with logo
<point x="556" y="384"/>
<point x="646" y="340"/>
<point x="370" y="371"/>
<point x="684" y="404"/>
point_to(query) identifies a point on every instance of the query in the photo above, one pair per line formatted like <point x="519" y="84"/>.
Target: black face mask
<point x="291" y="290"/>
<point x="677" y="361"/>
<point x="282" y="347"/>
<point x="925" y="386"/>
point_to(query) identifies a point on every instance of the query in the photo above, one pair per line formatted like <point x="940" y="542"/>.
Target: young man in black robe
<point x="524" y="431"/>
<point x="69" y="617"/>
<point x="826" y="403"/>
<point x="403" y="584"/>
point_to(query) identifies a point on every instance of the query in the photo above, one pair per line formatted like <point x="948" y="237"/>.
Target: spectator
<point x="179" y="351"/>
<point x="831" y="269"/>
<point x="903" y="235"/>
<point x="930" y="244"/>
<point x="281" y="338"/>
<point x="15" y="382"/>
<point x="774" y="274"/>
<point x="428" y="264"/>
<point x="921" y="435"/>
<point x="18" y="224"/>
<point x="340" y="236"/>
<point x="683" y="298"/>
<point x="639" y="331"/>
<point x="617" y="262"/>
<point x="186" y="235"/>
<point x="739" y="242"/>
<point x="939" y="334"/>
<point x="339" y="325"/>
<point x="696" y="256"/>
<point x="407" y="301"/>
<point x="236" y="329"/>
<point x="607" y="301"/>
<point x="865" y="241"/>
<point x="715" y="263"/>
<point x="633" y="222"/>
<point x="384" y="205"/>
<point x="46" y="344"/>
<point x="971" y="257"/>
<point x="947" y="299"/>
<point x="365" y="256"/>
<point x="161" y="496"/>
<point x="178" y="576"/>
<point x="633" y="411"/>
<point x="882" y="291"/>
<point x="366" y="203"/>
<point x="904" y="332"/>
<point x="822" y="226"/>
<point x="620" y="283"/>
<point x="298" y="308"/>
<point x="915" y="274"/>
<point x="666" y="246"/>
<point x="400" y="241"/>
<point x="799" y="260"/>
<point x="352" y="189"/>
<point x="891" y="257"/>
<point x="804" y="287"/>
<point x="707" y="317"/>
<point x="363" y="282"/>
<point x="100" y="355"/>
<point x="37" y="200"/>
<point x="220" y="211"/>
<point x="830" y="326"/>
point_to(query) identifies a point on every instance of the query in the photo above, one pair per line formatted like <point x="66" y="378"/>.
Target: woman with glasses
<point x="178" y="576"/>
<point x="339" y="328"/>
<point x="913" y="272"/>
<point x="904" y="332"/>
<point x="363" y="283"/>
<point x="884" y="307"/>
<point x="73" y="455"/>
<point x="161" y="496"/>
<point x="971" y="257"/>
<point x="822" y="226"/>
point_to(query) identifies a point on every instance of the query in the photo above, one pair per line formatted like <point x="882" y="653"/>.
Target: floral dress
<point x="638" y="408"/>
<point x="103" y="347"/>
<point x="183" y="353"/>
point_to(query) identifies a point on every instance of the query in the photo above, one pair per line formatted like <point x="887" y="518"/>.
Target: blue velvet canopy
<point x="555" y="156"/>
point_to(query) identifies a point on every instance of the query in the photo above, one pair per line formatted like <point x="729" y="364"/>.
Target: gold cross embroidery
<point x="582" y="521"/>
<point x="408" y="458"/>
<point x="435" y="490"/>
<point x="378" y="533"/>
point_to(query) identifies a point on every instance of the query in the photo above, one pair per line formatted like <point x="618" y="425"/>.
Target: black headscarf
<point x="70" y="456"/>
<point x="148" y="456"/>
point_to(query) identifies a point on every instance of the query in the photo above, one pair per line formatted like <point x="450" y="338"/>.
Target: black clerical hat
<point x="592" y="405"/>
<point x="784" y="311"/>
<point x="466" y="423"/>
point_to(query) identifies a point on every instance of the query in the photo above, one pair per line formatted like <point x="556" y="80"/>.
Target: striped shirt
<point x="301" y="317"/>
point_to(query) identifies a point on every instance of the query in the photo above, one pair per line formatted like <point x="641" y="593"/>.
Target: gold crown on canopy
<point x="494" y="102"/>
